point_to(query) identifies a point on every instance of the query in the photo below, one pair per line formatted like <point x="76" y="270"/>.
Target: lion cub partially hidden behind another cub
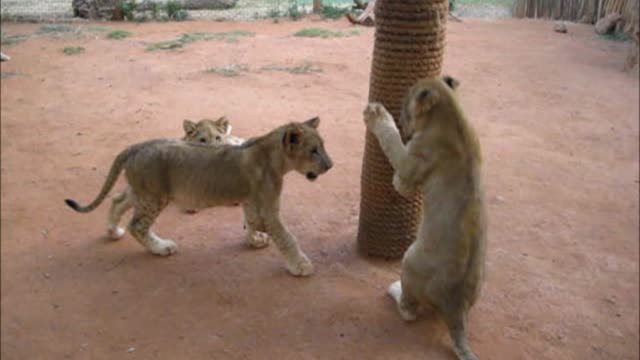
<point x="212" y="132"/>
<point x="193" y="176"/>
<point x="443" y="268"/>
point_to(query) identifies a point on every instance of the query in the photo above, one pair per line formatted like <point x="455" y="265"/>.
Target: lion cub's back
<point x="191" y="175"/>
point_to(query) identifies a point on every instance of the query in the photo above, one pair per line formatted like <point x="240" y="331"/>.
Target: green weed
<point x="229" y="36"/>
<point x="296" y="69"/>
<point x="72" y="50"/>
<point x="324" y="33"/>
<point x="119" y="34"/>
<point x="228" y="70"/>
<point x="57" y="29"/>
<point x="333" y="12"/>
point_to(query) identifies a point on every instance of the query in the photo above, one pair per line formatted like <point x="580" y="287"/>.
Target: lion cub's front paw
<point x="402" y="187"/>
<point x="301" y="266"/>
<point x="258" y="239"/>
<point x="375" y="114"/>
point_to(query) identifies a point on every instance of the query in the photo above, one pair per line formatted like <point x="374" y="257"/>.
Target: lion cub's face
<point x="305" y="149"/>
<point x="424" y="96"/>
<point x="206" y="131"/>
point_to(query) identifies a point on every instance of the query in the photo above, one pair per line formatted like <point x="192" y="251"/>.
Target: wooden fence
<point x="585" y="11"/>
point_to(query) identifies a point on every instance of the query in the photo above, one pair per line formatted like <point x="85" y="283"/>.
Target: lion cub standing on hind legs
<point x="443" y="268"/>
<point x="162" y="171"/>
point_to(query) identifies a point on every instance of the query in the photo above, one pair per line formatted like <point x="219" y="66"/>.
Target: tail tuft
<point x="72" y="204"/>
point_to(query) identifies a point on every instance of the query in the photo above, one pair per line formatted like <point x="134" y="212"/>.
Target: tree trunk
<point x="409" y="45"/>
<point x="599" y="13"/>
<point x="317" y="6"/>
<point x="519" y="8"/>
<point x="631" y="14"/>
<point x="531" y="8"/>
<point x="589" y="15"/>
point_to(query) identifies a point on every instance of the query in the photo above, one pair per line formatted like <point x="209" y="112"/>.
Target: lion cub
<point x="211" y="132"/>
<point x="162" y="171"/>
<point x="204" y="132"/>
<point x="443" y="268"/>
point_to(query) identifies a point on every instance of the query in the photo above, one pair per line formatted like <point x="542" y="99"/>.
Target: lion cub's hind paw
<point x="395" y="291"/>
<point x="258" y="239"/>
<point x="115" y="232"/>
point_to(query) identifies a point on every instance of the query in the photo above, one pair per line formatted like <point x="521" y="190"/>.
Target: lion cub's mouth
<point x="311" y="176"/>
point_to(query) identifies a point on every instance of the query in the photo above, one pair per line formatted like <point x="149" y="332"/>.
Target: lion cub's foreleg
<point x="298" y="263"/>
<point x="145" y="213"/>
<point x="260" y="220"/>
<point x="381" y="124"/>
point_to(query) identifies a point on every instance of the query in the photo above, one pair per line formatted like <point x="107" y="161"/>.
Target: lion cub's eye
<point x="314" y="151"/>
<point x="218" y="138"/>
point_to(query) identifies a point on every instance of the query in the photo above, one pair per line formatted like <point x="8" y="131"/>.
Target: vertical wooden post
<point x="409" y="45"/>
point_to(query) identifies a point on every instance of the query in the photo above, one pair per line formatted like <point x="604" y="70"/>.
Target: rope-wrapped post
<point x="409" y="45"/>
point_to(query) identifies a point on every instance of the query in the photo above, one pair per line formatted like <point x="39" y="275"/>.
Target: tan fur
<point x="213" y="132"/>
<point x="443" y="268"/>
<point x="201" y="176"/>
<point x="210" y="132"/>
<point x="204" y="132"/>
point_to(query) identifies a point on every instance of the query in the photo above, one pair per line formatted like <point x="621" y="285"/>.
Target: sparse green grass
<point x="12" y="39"/>
<point x="324" y="33"/>
<point x="72" y="50"/>
<point x="334" y="12"/>
<point x="8" y="74"/>
<point x="296" y="69"/>
<point x="119" y="34"/>
<point x="68" y="29"/>
<point x="51" y="29"/>
<point x="616" y="36"/>
<point x="57" y="29"/>
<point x="228" y="36"/>
<point x="98" y="29"/>
<point x="228" y="70"/>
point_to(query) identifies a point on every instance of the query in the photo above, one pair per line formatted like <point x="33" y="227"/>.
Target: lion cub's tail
<point x="116" y="169"/>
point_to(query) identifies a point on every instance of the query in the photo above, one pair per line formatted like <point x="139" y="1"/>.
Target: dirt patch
<point x="557" y="119"/>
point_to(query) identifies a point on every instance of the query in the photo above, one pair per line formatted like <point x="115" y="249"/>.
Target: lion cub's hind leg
<point x="145" y="213"/>
<point x="407" y="306"/>
<point x="120" y="204"/>
<point x="256" y="237"/>
<point x="455" y="320"/>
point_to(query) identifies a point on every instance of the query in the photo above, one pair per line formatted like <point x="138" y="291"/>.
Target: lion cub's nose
<point x="328" y="164"/>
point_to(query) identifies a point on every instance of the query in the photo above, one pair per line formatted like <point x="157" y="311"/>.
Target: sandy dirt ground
<point x="557" y="119"/>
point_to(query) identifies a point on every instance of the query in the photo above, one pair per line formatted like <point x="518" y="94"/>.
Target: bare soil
<point x="557" y="119"/>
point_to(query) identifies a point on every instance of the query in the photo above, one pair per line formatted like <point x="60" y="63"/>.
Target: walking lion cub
<point x="193" y="176"/>
<point x="444" y="267"/>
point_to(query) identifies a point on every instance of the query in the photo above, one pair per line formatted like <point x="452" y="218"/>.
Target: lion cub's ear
<point x="189" y="126"/>
<point x="292" y="138"/>
<point x="425" y="99"/>
<point x="451" y="81"/>
<point x="313" y="122"/>
<point x="223" y="124"/>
